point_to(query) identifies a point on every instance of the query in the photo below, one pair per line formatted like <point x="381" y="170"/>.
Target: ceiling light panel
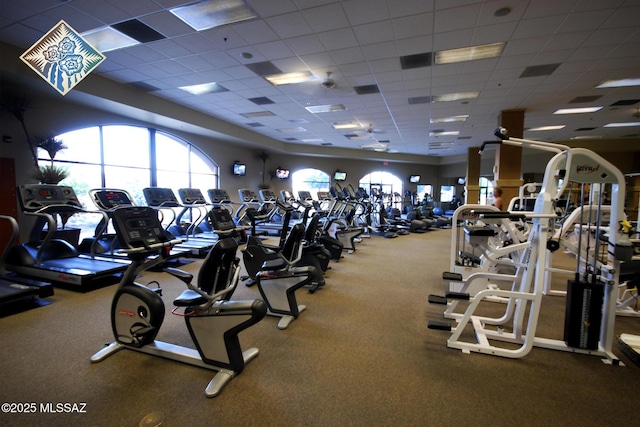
<point x="577" y="110"/>
<point x="460" y="96"/>
<point x="460" y="118"/>
<point x="619" y="83"/>
<point x="621" y="124"/>
<point x="291" y="78"/>
<point x="552" y="127"/>
<point x="325" y="108"/>
<point x="107" y="39"/>
<point x="204" y="88"/>
<point x="471" y="53"/>
<point x="213" y="13"/>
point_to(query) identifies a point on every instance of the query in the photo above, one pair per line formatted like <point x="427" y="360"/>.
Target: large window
<point x="311" y="180"/>
<point x="130" y="158"/>
<point x="387" y="184"/>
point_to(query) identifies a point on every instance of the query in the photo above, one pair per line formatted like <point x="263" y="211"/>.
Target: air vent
<point x="138" y="31"/>
<point x="262" y="100"/>
<point x="625" y="102"/>
<point x="265" y="68"/>
<point x="584" y="129"/>
<point x="420" y="100"/>
<point x="580" y="99"/>
<point x="416" y="61"/>
<point x="145" y="87"/>
<point x="366" y="89"/>
<point x="254" y="124"/>
<point x="539" y="70"/>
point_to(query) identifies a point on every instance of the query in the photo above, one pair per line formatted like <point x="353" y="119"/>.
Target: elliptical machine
<point x="213" y="321"/>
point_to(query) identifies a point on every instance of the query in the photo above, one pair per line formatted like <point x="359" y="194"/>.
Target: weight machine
<point x="591" y="305"/>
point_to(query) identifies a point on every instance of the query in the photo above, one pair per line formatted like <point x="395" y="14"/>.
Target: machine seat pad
<point x="188" y="298"/>
<point x="274" y="264"/>
<point x="480" y="231"/>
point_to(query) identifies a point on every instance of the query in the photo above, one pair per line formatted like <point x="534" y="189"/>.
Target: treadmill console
<point x="324" y="195"/>
<point x="107" y="200"/>
<point x="58" y="198"/>
<point x="268" y="195"/>
<point x="191" y="196"/>
<point x="221" y="220"/>
<point x="219" y="196"/>
<point x="247" y="195"/>
<point x="305" y="195"/>
<point x="160" y="197"/>
<point x="138" y="226"/>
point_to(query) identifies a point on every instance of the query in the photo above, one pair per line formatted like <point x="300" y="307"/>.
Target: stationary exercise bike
<point x="213" y="321"/>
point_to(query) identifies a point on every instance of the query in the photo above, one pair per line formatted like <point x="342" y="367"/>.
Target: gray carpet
<point x="360" y="355"/>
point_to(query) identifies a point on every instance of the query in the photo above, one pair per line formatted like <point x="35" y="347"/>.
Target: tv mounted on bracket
<point x="282" y="173"/>
<point x="462" y="181"/>
<point x="414" y="179"/>
<point x="339" y="176"/>
<point x="239" y="169"/>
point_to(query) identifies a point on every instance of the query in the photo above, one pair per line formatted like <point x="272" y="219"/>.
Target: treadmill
<point x="164" y="200"/>
<point x="13" y="288"/>
<point x="52" y="259"/>
<point x="105" y="244"/>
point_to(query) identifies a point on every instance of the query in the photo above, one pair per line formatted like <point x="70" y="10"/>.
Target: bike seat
<point x="188" y="298"/>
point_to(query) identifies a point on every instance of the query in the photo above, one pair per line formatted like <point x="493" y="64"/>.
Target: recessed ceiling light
<point x="290" y="78"/>
<point x="619" y="83"/>
<point x="621" y="124"/>
<point x="455" y="96"/>
<point x="577" y="110"/>
<point x="325" y="108"/>
<point x="204" y="88"/>
<point x="460" y="118"/>
<point x="258" y="114"/>
<point x="293" y="130"/>
<point x="213" y="13"/>
<point x="470" y="53"/>
<point x="444" y="133"/>
<point x="552" y="127"/>
<point x="338" y="126"/>
<point x="107" y="39"/>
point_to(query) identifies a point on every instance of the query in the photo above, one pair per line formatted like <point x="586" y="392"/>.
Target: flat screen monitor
<point x="414" y="178"/>
<point x="339" y="176"/>
<point x="462" y="181"/>
<point x="282" y="173"/>
<point x="239" y="169"/>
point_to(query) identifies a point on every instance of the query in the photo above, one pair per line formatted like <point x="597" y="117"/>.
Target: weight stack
<point x="583" y="314"/>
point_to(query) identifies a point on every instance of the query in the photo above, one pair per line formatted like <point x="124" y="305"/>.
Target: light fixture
<point x="455" y="96"/>
<point x="290" y="78"/>
<point x="293" y="130"/>
<point x="621" y="124"/>
<point x="346" y="126"/>
<point x="107" y="39"/>
<point x="213" y="13"/>
<point x="551" y="127"/>
<point x="619" y="83"/>
<point x="444" y="133"/>
<point x="257" y="114"/>
<point x="201" y="89"/>
<point x="325" y="108"/>
<point x="577" y="110"/>
<point x="470" y="53"/>
<point x="450" y="119"/>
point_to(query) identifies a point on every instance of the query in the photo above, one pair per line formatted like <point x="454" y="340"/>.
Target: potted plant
<point x="51" y="174"/>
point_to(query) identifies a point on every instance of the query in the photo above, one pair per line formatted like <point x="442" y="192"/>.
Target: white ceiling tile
<point x="326" y="18"/>
<point x="338" y="39"/>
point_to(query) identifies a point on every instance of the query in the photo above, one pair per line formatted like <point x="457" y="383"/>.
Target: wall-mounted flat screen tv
<point x="339" y="176"/>
<point x="282" y="173"/>
<point x="239" y="169"/>
<point x="462" y="181"/>
<point x="414" y="178"/>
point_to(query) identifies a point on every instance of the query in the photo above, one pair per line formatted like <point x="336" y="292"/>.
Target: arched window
<point x="312" y="180"/>
<point x="130" y="158"/>
<point x="389" y="185"/>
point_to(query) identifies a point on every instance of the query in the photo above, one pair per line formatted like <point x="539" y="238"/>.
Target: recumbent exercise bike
<point x="213" y="321"/>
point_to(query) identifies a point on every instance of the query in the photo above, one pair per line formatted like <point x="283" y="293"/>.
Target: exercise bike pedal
<point x="437" y="299"/>
<point x="441" y="326"/>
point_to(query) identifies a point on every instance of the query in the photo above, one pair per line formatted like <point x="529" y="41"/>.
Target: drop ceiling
<point x="376" y="59"/>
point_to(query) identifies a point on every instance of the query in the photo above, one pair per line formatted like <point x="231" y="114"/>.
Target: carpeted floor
<point x="360" y="355"/>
